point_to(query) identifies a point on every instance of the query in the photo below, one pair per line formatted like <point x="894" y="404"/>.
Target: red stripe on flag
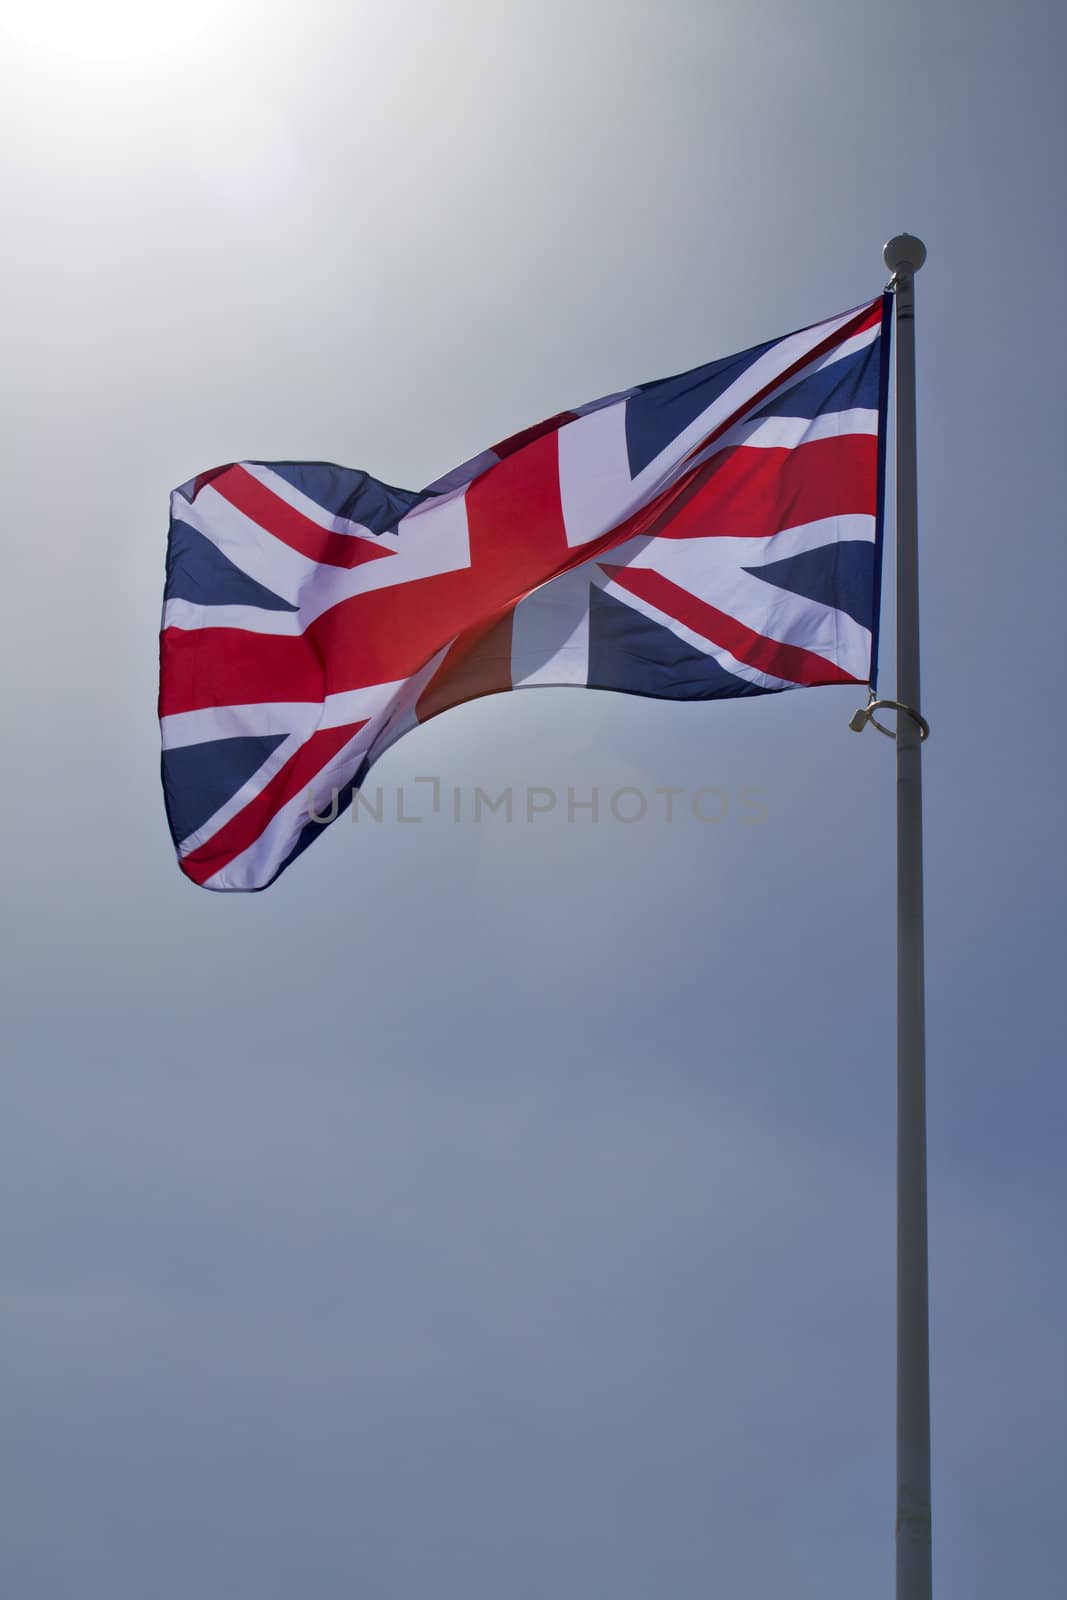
<point x="245" y="828"/>
<point x="871" y="318"/>
<point x="517" y="533"/>
<point x="750" y="493"/>
<point x="788" y="661"/>
<point x="202" y="667"/>
<point x="284" y="522"/>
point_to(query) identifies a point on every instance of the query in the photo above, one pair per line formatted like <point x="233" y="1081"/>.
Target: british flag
<point x="704" y="536"/>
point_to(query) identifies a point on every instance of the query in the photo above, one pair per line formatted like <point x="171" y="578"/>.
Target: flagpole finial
<point x="904" y="253"/>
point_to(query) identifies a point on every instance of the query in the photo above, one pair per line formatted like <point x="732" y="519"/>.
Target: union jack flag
<point x="705" y="536"/>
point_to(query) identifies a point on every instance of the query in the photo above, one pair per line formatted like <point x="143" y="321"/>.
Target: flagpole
<point x="904" y="255"/>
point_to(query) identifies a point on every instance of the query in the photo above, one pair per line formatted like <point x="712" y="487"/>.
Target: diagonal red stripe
<point x="787" y="661"/>
<point x="202" y="479"/>
<point x="279" y="518"/>
<point x="245" y="828"/>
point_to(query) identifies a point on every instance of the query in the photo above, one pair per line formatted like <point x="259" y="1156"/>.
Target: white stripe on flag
<point x="252" y="619"/>
<point x="786" y="433"/>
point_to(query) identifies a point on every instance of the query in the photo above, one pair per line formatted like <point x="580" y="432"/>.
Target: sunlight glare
<point x="115" y="38"/>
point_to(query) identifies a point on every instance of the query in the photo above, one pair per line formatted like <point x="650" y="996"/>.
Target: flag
<point x="701" y="537"/>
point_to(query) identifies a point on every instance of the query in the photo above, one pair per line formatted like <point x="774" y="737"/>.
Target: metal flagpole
<point x="904" y="255"/>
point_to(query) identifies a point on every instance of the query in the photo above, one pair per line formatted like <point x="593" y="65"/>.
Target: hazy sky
<point x="507" y="1211"/>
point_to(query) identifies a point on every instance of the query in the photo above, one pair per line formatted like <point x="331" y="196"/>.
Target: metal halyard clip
<point x="859" y="719"/>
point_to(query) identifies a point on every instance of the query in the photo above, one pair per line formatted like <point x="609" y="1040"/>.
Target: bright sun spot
<point x="114" y="38"/>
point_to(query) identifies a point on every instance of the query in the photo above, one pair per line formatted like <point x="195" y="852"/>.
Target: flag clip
<point x="859" y="719"/>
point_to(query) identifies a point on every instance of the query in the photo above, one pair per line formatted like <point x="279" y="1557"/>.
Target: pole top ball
<point x="904" y="253"/>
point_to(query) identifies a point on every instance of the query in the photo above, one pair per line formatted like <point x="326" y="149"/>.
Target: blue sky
<point x="509" y="1210"/>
